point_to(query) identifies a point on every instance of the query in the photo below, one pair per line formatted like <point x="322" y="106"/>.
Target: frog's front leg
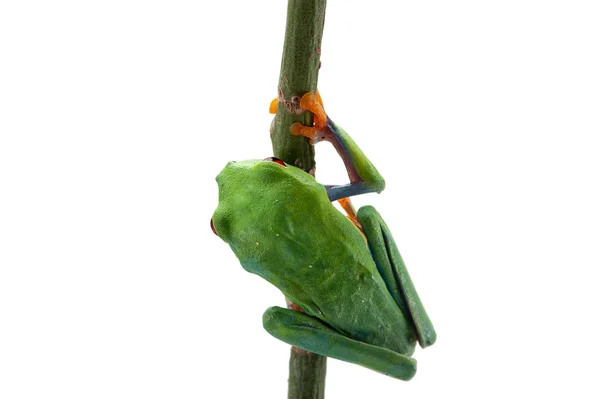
<point x="364" y="177"/>
<point x="311" y="334"/>
<point x="393" y="270"/>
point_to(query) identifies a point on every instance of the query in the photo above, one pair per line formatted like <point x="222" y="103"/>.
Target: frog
<point x="349" y="293"/>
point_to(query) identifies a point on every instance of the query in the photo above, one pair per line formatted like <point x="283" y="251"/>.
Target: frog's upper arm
<point x="392" y="269"/>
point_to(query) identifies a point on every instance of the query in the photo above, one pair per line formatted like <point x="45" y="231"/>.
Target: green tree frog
<point x="352" y="298"/>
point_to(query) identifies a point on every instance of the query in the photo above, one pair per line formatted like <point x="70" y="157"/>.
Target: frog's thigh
<point x="309" y="333"/>
<point x="394" y="272"/>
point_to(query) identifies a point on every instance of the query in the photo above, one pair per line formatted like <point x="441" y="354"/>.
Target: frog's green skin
<point x="358" y="301"/>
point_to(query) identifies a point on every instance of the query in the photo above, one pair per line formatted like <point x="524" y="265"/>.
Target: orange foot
<point x="313" y="103"/>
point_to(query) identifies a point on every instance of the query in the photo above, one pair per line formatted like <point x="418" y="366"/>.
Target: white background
<point x="115" y="116"/>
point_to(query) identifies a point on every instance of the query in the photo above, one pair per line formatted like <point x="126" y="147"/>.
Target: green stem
<point x="299" y="74"/>
<point x="307" y="375"/>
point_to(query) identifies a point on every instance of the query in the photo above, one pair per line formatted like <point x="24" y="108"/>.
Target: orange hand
<point x="313" y="103"/>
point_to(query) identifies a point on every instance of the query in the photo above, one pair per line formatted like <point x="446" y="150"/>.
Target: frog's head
<point x="258" y="197"/>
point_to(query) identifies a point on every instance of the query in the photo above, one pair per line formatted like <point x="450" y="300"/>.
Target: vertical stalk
<point x="307" y="375"/>
<point x="299" y="74"/>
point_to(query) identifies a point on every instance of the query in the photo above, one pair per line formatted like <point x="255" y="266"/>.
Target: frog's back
<point x="323" y="264"/>
<point x="351" y="294"/>
<point x="281" y="226"/>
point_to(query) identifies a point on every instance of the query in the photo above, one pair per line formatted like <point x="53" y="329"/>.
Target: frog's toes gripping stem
<point x="364" y="177"/>
<point x="318" y="132"/>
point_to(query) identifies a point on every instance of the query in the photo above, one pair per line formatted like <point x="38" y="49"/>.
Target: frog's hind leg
<point x="393" y="270"/>
<point x="311" y="334"/>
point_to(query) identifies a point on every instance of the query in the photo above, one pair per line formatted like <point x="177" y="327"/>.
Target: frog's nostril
<point x="212" y="227"/>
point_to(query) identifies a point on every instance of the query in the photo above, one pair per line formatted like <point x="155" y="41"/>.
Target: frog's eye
<point x="212" y="227"/>
<point x="276" y="160"/>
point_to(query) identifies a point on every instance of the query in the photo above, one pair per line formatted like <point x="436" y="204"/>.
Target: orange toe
<point x="311" y="133"/>
<point x="314" y="104"/>
<point x="318" y="96"/>
<point x="273" y="106"/>
<point x="297" y="129"/>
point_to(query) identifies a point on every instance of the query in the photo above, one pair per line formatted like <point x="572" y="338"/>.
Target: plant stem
<point x="307" y="375"/>
<point x="299" y="74"/>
